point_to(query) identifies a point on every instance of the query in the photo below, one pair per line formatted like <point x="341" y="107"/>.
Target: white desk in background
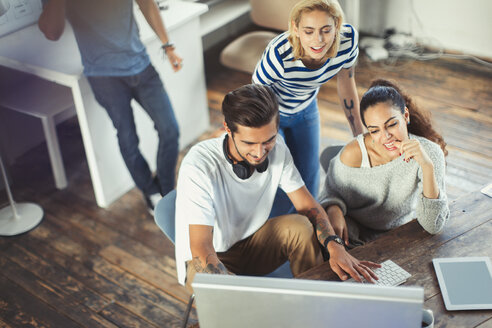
<point x="28" y="51"/>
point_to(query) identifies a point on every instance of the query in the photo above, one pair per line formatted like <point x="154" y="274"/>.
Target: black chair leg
<point x="188" y="310"/>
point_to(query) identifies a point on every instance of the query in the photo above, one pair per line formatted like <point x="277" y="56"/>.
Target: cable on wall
<point x="389" y="50"/>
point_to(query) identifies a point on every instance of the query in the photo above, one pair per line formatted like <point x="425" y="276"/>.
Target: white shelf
<point x="221" y="14"/>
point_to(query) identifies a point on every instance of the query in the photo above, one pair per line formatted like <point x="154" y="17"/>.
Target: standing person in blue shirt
<point x="295" y="64"/>
<point x="118" y="69"/>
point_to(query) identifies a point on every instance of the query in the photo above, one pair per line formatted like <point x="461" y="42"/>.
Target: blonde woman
<point x="317" y="47"/>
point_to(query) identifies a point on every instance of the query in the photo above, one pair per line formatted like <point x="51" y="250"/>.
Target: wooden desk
<point x="467" y="233"/>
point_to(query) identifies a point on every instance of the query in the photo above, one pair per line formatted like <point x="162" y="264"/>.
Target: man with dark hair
<point x="226" y="187"/>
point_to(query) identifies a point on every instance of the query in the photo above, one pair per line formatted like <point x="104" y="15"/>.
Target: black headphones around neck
<point x="242" y="169"/>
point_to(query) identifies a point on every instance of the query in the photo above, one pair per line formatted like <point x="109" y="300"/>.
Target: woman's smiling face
<point x="316" y="32"/>
<point x="387" y="126"/>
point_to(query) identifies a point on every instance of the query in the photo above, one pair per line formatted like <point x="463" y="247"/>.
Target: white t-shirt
<point x="209" y="193"/>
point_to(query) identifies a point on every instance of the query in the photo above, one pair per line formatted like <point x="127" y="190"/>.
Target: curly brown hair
<point x="420" y="120"/>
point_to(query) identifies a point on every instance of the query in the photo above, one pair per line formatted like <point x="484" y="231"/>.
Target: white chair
<point x="44" y="100"/>
<point x="244" y="53"/>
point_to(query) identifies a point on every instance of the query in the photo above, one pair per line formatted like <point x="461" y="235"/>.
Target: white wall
<point x="460" y="25"/>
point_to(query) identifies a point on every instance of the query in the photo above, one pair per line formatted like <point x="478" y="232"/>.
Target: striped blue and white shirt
<point x="296" y="85"/>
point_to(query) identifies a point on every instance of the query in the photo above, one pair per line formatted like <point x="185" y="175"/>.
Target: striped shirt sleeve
<point x="270" y="68"/>
<point x="352" y="36"/>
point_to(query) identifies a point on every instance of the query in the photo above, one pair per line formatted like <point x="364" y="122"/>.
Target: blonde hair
<point x="331" y="7"/>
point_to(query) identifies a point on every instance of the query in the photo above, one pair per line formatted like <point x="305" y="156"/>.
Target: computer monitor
<point x="242" y="301"/>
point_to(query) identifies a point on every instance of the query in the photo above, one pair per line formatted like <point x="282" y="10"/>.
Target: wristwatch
<point x="335" y="238"/>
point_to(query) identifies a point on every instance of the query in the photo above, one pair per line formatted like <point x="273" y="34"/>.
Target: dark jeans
<point x="115" y="93"/>
<point x="301" y="132"/>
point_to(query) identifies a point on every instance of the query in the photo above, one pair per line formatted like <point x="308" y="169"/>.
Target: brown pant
<point x="287" y="237"/>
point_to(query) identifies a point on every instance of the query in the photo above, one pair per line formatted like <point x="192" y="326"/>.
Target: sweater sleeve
<point x="432" y="214"/>
<point x="329" y="194"/>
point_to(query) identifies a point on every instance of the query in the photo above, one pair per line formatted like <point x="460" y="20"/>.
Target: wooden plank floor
<point x="84" y="266"/>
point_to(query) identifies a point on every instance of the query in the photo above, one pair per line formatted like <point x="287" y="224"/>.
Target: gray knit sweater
<point x="387" y="196"/>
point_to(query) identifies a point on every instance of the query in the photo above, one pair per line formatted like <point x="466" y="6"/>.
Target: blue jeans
<point x="301" y="132"/>
<point x="115" y="93"/>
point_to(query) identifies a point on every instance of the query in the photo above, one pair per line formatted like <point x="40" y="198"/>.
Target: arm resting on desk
<point x="337" y="220"/>
<point x="52" y="19"/>
<point x="340" y="260"/>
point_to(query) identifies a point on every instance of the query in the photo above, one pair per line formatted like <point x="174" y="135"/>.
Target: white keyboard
<point x="389" y="274"/>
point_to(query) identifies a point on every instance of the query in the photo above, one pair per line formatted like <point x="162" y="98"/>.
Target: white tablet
<point x="487" y="190"/>
<point x="465" y="282"/>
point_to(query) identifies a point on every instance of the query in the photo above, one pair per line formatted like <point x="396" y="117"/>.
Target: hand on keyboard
<point x="390" y="274"/>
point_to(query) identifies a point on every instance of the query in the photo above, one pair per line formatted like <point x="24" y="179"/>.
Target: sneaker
<point x="152" y="201"/>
